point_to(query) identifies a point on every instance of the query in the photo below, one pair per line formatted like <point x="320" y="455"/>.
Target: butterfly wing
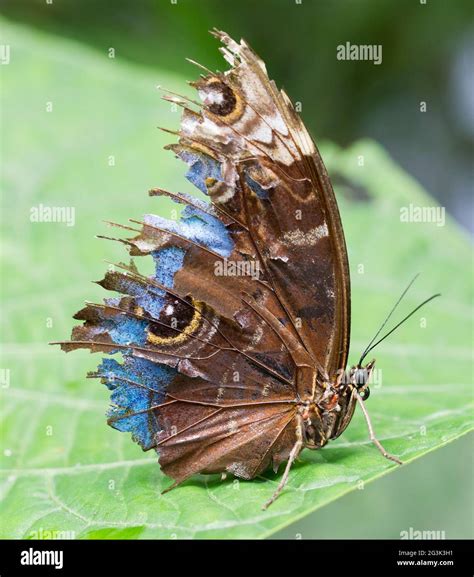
<point x="209" y="374"/>
<point x="274" y="181"/>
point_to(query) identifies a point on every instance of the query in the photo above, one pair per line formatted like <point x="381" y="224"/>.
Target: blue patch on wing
<point x="168" y="261"/>
<point x="202" y="166"/>
<point x="136" y="385"/>
<point x="199" y="227"/>
<point x="139" y="384"/>
<point x="126" y="330"/>
<point x="195" y="224"/>
<point x="209" y="231"/>
<point x="259" y="190"/>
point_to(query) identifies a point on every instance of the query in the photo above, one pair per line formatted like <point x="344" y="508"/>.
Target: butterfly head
<point x="359" y="377"/>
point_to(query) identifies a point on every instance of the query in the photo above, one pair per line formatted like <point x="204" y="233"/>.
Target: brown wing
<point x="214" y="439"/>
<point x="274" y="181"/>
<point x="242" y="285"/>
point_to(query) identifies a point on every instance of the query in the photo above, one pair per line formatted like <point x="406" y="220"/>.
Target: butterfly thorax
<point x="325" y="409"/>
<point x="319" y="409"/>
<point x="326" y="405"/>
<point x="326" y="413"/>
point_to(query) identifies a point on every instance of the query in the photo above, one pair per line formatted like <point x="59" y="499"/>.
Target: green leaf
<point x="63" y="469"/>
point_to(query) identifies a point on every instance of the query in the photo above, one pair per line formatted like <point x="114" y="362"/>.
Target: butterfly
<point x="234" y="351"/>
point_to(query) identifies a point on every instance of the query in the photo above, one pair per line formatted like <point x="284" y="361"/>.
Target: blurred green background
<point x="426" y="53"/>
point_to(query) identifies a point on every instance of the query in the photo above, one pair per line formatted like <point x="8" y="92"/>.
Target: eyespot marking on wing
<point x="219" y="98"/>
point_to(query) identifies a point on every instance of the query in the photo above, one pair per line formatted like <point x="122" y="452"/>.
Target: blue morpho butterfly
<point x="235" y="350"/>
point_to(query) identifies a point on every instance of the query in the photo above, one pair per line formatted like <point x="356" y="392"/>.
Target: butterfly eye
<point x="360" y="378"/>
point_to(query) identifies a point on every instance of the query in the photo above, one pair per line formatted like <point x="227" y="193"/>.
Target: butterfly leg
<point x="373" y="438"/>
<point x="295" y="451"/>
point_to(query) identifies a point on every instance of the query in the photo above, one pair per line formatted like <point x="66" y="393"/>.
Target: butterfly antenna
<point x="367" y="351"/>
<point x="367" y="348"/>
